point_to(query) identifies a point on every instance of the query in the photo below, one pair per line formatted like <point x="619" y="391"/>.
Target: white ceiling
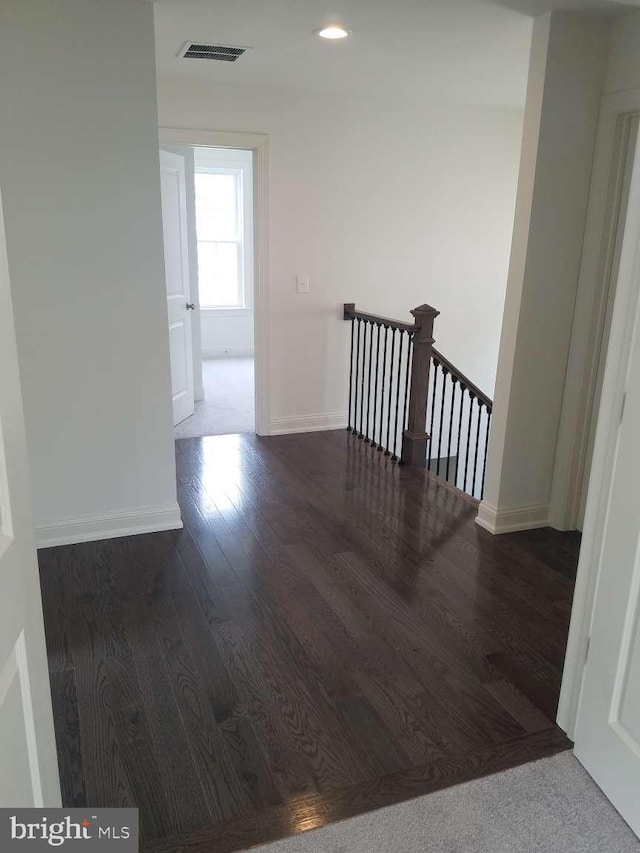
<point x="455" y="50"/>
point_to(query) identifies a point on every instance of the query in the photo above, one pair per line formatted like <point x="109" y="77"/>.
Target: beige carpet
<point x="228" y="406"/>
<point x="549" y="806"/>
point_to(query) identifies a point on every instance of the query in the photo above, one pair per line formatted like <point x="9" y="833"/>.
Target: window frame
<point x="244" y="288"/>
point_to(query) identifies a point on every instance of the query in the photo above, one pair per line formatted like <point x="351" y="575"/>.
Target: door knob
<point x="191" y="306"/>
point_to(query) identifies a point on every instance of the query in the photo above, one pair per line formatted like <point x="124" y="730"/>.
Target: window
<point x="220" y="233"/>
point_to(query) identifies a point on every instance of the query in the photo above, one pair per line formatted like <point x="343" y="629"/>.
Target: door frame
<point x="259" y="144"/>
<point x="585" y="361"/>
<point x="23" y="653"/>
<point x="603" y="226"/>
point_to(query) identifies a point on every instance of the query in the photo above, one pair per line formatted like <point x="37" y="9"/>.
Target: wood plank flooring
<point x="328" y="634"/>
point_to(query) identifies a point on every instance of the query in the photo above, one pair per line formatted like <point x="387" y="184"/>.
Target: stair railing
<point x="394" y="395"/>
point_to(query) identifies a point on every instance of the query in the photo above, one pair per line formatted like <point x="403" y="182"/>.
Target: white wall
<point x="79" y="173"/>
<point x="227" y="332"/>
<point x="563" y="98"/>
<point x="387" y="203"/>
<point x="623" y="62"/>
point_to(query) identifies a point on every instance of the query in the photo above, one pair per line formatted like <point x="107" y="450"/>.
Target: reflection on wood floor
<point x="328" y="634"/>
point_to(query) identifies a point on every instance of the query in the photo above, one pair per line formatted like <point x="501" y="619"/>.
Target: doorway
<point x="600" y="695"/>
<point x="609" y="198"/>
<point x="225" y="224"/>
<point x="218" y="217"/>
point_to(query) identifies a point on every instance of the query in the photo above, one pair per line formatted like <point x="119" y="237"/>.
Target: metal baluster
<point x="350" y="379"/>
<point x="445" y="373"/>
<point x="394" y="458"/>
<point x="364" y="363"/>
<point x="384" y="374"/>
<point x="367" y="436"/>
<point x="355" y="407"/>
<point x="475" y="458"/>
<point x="387" y="450"/>
<point x="375" y="388"/>
<point x="466" y="456"/>
<point x="486" y="450"/>
<point x="462" y="390"/>
<point x="436" y="364"/>
<point x="453" y="403"/>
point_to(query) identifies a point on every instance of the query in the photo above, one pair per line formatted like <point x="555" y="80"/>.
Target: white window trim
<point x="245" y="214"/>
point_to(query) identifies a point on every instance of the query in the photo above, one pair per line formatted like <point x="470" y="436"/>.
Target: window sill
<point x="228" y="312"/>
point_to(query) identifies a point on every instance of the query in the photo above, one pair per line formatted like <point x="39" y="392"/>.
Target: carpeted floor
<point x="549" y="806"/>
<point x="228" y="405"/>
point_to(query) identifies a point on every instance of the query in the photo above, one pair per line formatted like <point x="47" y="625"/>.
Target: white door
<point x="28" y="763"/>
<point x="607" y="736"/>
<point x="176" y="260"/>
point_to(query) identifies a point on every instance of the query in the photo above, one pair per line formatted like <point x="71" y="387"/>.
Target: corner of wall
<point x="308" y="423"/>
<point x="508" y="520"/>
<point x="108" y="525"/>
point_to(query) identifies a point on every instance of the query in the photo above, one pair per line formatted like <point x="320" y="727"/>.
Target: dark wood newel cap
<point x="424" y="315"/>
<point x="349" y="310"/>
<point x="424" y="311"/>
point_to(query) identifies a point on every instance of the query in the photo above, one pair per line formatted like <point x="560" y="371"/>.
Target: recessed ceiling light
<point x="333" y="32"/>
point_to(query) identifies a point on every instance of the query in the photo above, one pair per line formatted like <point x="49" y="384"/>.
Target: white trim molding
<point x="606" y="439"/>
<point x="259" y="144"/>
<point x="108" y="525"/>
<point x="510" y="519"/>
<point x="16" y="667"/>
<point x="309" y="423"/>
<point x="227" y="352"/>
<point x="614" y="143"/>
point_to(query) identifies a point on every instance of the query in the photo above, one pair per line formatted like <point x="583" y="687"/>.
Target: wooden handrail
<point x="462" y="379"/>
<point x="350" y="313"/>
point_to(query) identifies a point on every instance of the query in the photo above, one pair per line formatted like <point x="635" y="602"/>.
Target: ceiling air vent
<point x="223" y="53"/>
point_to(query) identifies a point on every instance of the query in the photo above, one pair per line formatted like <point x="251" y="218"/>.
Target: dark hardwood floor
<point x="328" y="634"/>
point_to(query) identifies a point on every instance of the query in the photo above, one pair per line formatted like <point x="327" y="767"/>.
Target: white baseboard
<point x="226" y="352"/>
<point x="108" y="525"/>
<point x="510" y="519"/>
<point x="308" y="423"/>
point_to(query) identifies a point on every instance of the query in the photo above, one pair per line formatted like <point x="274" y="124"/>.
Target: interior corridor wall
<point x="385" y="203"/>
<point x="623" y="60"/>
<point x="80" y="179"/>
<point x="566" y="77"/>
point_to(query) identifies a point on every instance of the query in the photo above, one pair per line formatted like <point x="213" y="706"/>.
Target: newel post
<point x="414" y="439"/>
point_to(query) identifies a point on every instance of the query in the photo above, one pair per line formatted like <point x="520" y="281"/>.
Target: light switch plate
<point x="302" y="284"/>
